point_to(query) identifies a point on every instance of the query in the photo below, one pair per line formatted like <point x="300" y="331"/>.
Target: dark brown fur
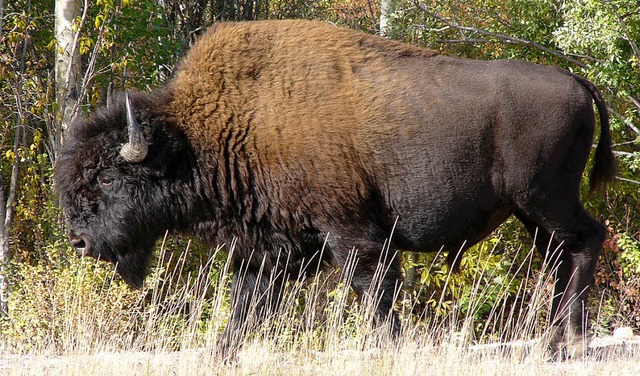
<point x="292" y="133"/>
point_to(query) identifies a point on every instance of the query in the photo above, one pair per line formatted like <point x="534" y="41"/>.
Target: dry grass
<point x="256" y="358"/>
<point x="171" y="329"/>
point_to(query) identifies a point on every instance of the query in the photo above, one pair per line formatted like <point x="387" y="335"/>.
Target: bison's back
<point x="288" y="99"/>
<point x="296" y="77"/>
<point x="314" y="111"/>
<point x="458" y="144"/>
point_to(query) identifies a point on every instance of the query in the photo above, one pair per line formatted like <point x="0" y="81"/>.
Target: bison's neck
<point x="218" y="133"/>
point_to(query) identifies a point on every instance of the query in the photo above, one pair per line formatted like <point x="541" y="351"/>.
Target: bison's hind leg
<point x="571" y="240"/>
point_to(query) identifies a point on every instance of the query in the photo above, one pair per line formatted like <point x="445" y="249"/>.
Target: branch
<point x="88" y="74"/>
<point x="371" y="13"/>
<point x="632" y="142"/>
<point x="634" y="101"/>
<point x="620" y="116"/>
<point x="626" y="154"/>
<point x="500" y="37"/>
<point x="1" y="17"/>
<point x="625" y="30"/>
<point x="628" y="180"/>
<point x="20" y="116"/>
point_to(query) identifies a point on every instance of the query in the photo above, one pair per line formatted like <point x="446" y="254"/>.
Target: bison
<point x="295" y="136"/>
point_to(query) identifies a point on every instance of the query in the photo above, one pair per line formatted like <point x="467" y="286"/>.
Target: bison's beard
<point x="133" y="267"/>
<point x="131" y="260"/>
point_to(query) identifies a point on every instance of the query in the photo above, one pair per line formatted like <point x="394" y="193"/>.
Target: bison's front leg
<point x="379" y="284"/>
<point x="255" y="296"/>
<point x="376" y="274"/>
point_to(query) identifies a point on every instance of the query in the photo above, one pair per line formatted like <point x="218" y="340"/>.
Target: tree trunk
<point x="4" y="254"/>
<point x="1" y="17"/>
<point x="387" y="8"/>
<point x="4" y="251"/>
<point x="410" y="273"/>
<point x="6" y="218"/>
<point x="8" y="194"/>
<point x="67" y="67"/>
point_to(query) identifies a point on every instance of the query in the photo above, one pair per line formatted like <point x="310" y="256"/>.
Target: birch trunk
<point x="387" y="7"/>
<point x="67" y="66"/>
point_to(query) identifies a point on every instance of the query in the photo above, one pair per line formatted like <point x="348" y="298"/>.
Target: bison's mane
<point x="111" y="119"/>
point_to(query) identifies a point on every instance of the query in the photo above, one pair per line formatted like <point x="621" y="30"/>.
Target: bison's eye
<point x="105" y="180"/>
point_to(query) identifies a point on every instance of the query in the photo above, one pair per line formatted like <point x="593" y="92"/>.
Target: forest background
<point x="114" y="45"/>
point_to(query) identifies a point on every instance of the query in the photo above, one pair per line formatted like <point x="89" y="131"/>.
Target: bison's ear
<point x="136" y="149"/>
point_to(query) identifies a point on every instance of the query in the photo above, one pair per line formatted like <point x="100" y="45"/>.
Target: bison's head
<point x="122" y="180"/>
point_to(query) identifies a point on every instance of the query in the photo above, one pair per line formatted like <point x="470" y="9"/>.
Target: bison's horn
<point x="136" y="149"/>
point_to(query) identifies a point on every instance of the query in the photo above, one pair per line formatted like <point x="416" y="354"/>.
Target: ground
<point x="606" y="356"/>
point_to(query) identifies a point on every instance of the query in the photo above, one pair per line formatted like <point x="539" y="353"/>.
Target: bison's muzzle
<point x="82" y="243"/>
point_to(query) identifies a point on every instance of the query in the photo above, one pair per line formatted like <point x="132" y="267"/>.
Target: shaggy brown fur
<point x="288" y="134"/>
<point x="287" y="100"/>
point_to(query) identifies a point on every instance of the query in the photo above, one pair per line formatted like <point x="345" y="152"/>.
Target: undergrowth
<point x="77" y="305"/>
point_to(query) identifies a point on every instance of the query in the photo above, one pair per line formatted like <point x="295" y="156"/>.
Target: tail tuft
<point x="604" y="166"/>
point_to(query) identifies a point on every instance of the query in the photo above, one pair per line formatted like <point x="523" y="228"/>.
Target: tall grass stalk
<point x="319" y="327"/>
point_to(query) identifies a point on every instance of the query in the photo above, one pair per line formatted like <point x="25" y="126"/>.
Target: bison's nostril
<point x="80" y="242"/>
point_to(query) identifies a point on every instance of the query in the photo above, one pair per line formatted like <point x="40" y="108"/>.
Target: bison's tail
<point x="604" y="165"/>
